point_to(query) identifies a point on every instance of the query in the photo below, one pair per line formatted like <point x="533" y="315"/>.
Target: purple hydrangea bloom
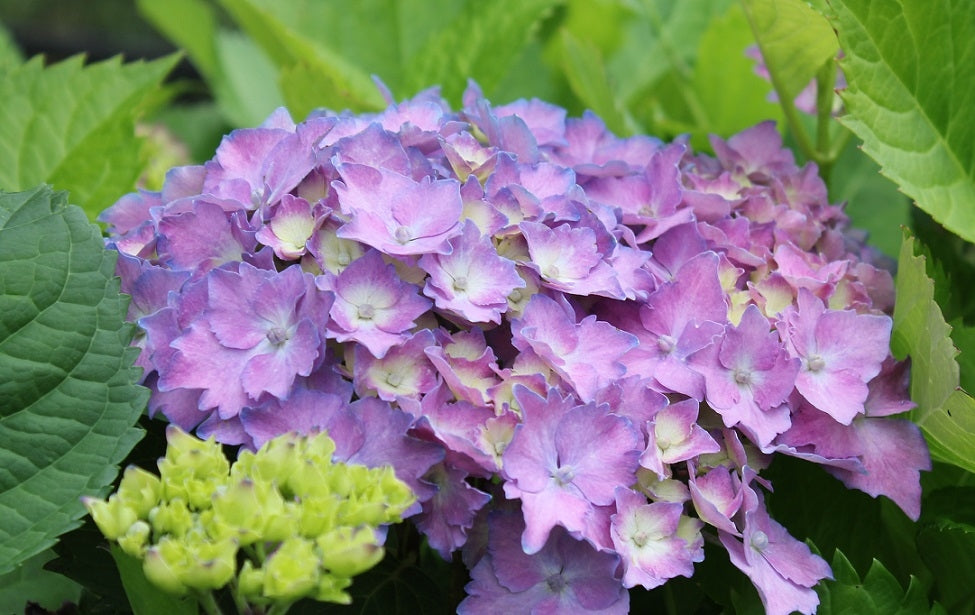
<point x="566" y="576"/>
<point x="579" y="351"/>
<point x="553" y="468"/>
<point x="259" y="331"/>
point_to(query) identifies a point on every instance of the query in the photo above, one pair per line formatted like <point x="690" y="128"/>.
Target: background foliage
<point x="99" y="128"/>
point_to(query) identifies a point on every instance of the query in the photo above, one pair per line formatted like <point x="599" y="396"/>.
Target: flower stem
<point x="208" y="603"/>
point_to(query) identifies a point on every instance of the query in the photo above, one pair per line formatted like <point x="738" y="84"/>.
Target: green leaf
<point x="946" y="541"/>
<point x="10" y="55"/>
<point x="247" y="89"/>
<point x="350" y="86"/>
<point x="722" y="73"/>
<point x="910" y="98"/>
<point x="944" y="412"/>
<point x="144" y="597"/>
<point x="191" y="25"/>
<point x="32" y="583"/>
<point x="68" y="398"/>
<point x="584" y="68"/>
<point x="481" y="43"/>
<point x="795" y="41"/>
<point x="872" y="201"/>
<point x="878" y="593"/>
<point x="665" y="31"/>
<point x="73" y="126"/>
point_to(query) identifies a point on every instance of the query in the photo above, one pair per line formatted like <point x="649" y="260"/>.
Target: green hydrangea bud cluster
<point x="300" y="524"/>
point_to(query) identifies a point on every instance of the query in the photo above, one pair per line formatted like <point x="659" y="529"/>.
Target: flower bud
<point x="317" y="514"/>
<point x="292" y="571"/>
<point x="161" y="563"/>
<point x="140" y="489"/>
<point x="245" y="507"/>
<point x="347" y="551"/>
<point x="192" y="468"/>
<point x="135" y="540"/>
<point x="172" y="517"/>
<point x="113" y="517"/>
<point x="250" y="582"/>
<point x="209" y="564"/>
<point x="330" y="589"/>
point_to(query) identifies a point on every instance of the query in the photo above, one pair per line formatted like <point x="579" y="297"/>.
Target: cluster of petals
<point x="577" y="349"/>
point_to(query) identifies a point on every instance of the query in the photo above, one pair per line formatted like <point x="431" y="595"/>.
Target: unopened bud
<point x="113" y="517"/>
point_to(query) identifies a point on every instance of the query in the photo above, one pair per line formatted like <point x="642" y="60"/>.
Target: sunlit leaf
<point x="795" y="41"/>
<point x="910" y="65"/>
<point x="72" y="126"/>
<point x="944" y="412"/>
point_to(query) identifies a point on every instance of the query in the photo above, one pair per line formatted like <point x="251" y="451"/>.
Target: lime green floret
<point x="299" y="524"/>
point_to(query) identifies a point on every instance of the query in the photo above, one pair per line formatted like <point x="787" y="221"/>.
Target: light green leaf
<point x="481" y="43"/>
<point x="584" y="68"/>
<point x="191" y="25"/>
<point x="32" y="583"/>
<point x="352" y="88"/>
<point x="660" y="37"/>
<point x="73" y="126"/>
<point x="944" y="412"/>
<point x="910" y="69"/>
<point x="795" y="41"/>
<point x="722" y="73"/>
<point x="247" y="89"/>
<point x="68" y="401"/>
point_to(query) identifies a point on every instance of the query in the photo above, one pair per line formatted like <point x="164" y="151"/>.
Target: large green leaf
<point x="32" y="583"/>
<point x="481" y="43"/>
<point x="68" y="401"/>
<point x="73" y="126"/>
<point x="910" y="65"/>
<point x="795" y="41"/>
<point x="339" y="82"/>
<point x="945" y="412"/>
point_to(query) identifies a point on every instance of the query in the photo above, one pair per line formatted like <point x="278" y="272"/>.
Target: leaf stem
<point x="825" y="82"/>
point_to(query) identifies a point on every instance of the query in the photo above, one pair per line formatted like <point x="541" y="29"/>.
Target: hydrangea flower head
<point x="577" y="351"/>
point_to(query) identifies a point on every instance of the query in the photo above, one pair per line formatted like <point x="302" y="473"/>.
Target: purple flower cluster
<point x="579" y="350"/>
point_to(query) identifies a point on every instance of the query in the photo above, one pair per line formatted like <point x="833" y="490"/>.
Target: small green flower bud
<point x="275" y="461"/>
<point x="135" y="540"/>
<point x="209" y="564"/>
<point x="317" y="514"/>
<point x="319" y="447"/>
<point x="113" y="517"/>
<point x="398" y="495"/>
<point x="172" y="517"/>
<point x="161" y="564"/>
<point x="192" y="468"/>
<point x="292" y="571"/>
<point x="140" y="489"/>
<point x="250" y="582"/>
<point x="348" y="551"/>
<point x="330" y="589"/>
<point x="309" y="478"/>
<point x="244" y="509"/>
